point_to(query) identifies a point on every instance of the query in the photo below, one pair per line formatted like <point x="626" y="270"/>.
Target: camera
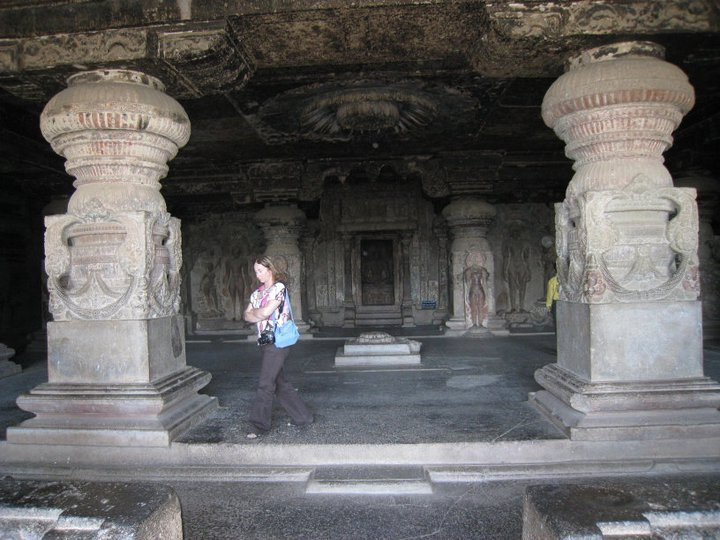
<point x="267" y="337"/>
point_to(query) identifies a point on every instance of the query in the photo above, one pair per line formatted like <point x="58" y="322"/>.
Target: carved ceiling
<point x="284" y="96"/>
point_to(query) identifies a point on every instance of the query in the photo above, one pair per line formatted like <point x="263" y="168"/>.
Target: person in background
<point x="267" y="308"/>
<point x="551" y="298"/>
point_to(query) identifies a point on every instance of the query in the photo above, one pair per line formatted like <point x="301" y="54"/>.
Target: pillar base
<point x="115" y="383"/>
<point x="637" y="341"/>
<point x="150" y="414"/>
<point x="673" y="409"/>
<point x="455" y="326"/>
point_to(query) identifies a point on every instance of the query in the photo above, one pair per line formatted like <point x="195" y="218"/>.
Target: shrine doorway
<point x="377" y="274"/>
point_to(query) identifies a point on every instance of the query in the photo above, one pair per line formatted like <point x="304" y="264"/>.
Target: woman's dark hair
<point x="269" y="263"/>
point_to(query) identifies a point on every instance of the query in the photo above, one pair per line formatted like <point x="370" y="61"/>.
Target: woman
<point x="267" y="308"/>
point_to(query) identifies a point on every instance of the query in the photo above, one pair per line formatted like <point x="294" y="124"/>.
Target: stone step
<point x="368" y="487"/>
<point x="379" y="322"/>
<point x="369" y="481"/>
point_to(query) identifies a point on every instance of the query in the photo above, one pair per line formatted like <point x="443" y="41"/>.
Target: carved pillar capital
<point x="468" y="216"/>
<point x="624" y="234"/>
<point x="615" y="108"/>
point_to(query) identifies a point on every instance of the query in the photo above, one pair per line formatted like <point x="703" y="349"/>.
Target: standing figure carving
<point x="516" y="265"/>
<point x="235" y="280"/>
<point x="475" y="278"/>
<point x="209" y="290"/>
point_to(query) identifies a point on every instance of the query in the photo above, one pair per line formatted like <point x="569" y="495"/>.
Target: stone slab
<point x="346" y="360"/>
<point x="668" y="509"/>
<point x="84" y="510"/>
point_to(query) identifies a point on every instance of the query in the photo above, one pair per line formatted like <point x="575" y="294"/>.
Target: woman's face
<point x="263" y="274"/>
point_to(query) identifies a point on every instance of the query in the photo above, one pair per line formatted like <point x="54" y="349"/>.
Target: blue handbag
<point x="287" y="334"/>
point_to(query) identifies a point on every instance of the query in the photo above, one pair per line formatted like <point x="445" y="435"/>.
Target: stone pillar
<point x="408" y="319"/>
<point x="440" y="230"/>
<point x="6" y="366"/>
<point x="282" y="226"/>
<point x="629" y="360"/>
<point x="349" y="301"/>
<point x="117" y="373"/>
<point x="472" y="268"/>
<point x="708" y="199"/>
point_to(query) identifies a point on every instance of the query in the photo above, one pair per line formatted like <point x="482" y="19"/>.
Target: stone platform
<point x="378" y="349"/>
<point x="84" y="510"/>
<point x="668" y="509"/>
<point x="456" y="427"/>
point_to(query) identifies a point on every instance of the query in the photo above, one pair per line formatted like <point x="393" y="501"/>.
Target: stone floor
<point x="465" y="391"/>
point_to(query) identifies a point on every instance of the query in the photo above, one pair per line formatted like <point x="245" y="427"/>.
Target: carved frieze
<point x="219" y="257"/>
<point x="209" y="60"/>
<point x="197" y="61"/>
<point x="550" y="20"/>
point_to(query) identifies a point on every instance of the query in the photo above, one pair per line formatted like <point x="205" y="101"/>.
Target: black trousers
<point x="273" y="383"/>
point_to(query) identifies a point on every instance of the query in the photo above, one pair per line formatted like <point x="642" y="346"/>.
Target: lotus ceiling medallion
<point x="367" y="110"/>
<point x="346" y="111"/>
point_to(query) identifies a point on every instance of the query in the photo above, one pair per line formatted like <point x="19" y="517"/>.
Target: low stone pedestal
<point x="646" y="509"/>
<point x="6" y="366"/>
<point x="35" y="510"/>
<point x="378" y="349"/>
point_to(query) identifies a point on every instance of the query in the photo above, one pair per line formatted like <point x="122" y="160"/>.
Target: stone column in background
<point x="440" y="230"/>
<point x="349" y="302"/>
<point x="629" y="360"/>
<point x="471" y="259"/>
<point x="117" y="373"/>
<point x="708" y="199"/>
<point x="6" y="366"/>
<point x="408" y="319"/>
<point x="282" y="226"/>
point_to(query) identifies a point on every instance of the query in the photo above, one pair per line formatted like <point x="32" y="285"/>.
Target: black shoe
<point x="304" y="424"/>
<point x="254" y="432"/>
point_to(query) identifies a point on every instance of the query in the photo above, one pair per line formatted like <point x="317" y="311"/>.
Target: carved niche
<point x="219" y="256"/>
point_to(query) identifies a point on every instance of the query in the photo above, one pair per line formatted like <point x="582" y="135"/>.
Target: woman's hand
<point x="255" y="315"/>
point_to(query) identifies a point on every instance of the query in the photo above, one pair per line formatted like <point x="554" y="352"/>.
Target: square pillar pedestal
<point x="629" y="371"/>
<point x="115" y="383"/>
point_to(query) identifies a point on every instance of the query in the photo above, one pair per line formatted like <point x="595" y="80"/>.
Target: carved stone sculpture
<point x="629" y="324"/>
<point x="116" y="344"/>
<point x="472" y="267"/>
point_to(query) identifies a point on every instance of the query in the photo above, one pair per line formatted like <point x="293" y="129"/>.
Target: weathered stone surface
<point x="34" y="510"/>
<point x="673" y="509"/>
